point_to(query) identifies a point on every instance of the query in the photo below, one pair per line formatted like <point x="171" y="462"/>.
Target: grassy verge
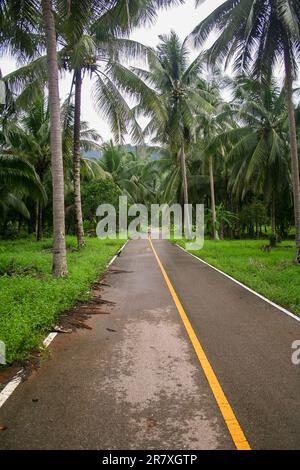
<point x="31" y="300"/>
<point x="272" y="274"/>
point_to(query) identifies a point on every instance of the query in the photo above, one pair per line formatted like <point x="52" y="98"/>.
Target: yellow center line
<point x="230" y="419"/>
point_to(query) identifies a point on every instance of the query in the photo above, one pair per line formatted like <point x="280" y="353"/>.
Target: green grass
<point x="31" y="300"/>
<point x="271" y="274"/>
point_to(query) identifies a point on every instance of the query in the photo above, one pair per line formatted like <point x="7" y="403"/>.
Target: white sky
<point x="182" y="19"/>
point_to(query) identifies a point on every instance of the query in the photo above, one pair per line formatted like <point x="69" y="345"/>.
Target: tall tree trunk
<point x="222" y="230"/>
<point x="273" y="215"/>
<point x="2" y="91"/>
<point x="212" y="197"/>
<point x="59" y="267"/>
<point x="185" y="190"/>
<point x="76" y="160"/>
<point x="293" y="141"/>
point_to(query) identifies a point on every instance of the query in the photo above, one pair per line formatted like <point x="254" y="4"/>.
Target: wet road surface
<point x="134" y="380"/>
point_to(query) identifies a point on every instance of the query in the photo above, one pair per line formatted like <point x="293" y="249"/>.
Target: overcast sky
<point x="182" y="19"/>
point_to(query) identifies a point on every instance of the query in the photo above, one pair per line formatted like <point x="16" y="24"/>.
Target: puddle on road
<point x="160" y="388"/>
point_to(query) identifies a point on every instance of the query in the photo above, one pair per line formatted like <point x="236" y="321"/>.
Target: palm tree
<point x="92" y="31"/>
<point x="78" y="55"/>
<point x="135" y="176"/>
<point x="170" y="180"/>
<point x="20" y="31"/>
<point x="82" y="56"/>
<point x="59" y="244"/>
<point x="167" y="95"/>
<point x="89" y="36"/>
<point x="18" y="178"/>
<point x="134" y="172"/>
<point x="26" y="15"/>
<point x="210" y="122"/>
<point x="255" y="34"/>
<point x="28" y="136"/>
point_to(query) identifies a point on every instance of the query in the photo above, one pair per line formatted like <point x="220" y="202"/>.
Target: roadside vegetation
<point x="268" y="273"/>
<point x="31" y="299"/>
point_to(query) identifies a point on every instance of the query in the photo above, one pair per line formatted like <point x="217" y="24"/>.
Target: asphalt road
<point x="134" y="381"/>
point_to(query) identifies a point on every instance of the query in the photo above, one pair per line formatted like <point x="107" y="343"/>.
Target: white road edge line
<point x="111" y="261"/>
<point x="282" y="309"/>
<point x="17" y="379"/>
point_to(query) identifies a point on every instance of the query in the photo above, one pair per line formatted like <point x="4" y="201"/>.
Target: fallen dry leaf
<point x="60" y="329"/>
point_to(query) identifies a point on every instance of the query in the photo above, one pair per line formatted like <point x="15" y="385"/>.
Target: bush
<point x="273" y="240"/>
<point x="31" y="299"/>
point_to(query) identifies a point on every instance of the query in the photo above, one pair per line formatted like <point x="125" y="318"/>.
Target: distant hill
<point x="144" y="150"/>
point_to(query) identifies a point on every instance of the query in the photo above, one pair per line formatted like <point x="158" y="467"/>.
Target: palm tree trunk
<point x="76" y="160"/>
<point x="36" y="219"/>
<point x="39" y="221"/>
<point x="293" y="142"/>
<point x="273" y="215"/>
<point x="185" y="191"/>
<point x="2" y="91"/>
<point x="212" y="197"/>
<point x="222" y="229"/>
<point x="59" y="267"/>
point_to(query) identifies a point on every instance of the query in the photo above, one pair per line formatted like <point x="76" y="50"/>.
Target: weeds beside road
<point x="31" y="299"/>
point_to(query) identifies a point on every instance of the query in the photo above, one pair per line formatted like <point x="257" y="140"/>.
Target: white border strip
<point x="49" y="339"/>
<point x="282" y="309"/>
<point x="116" y="256"/>
<point x="112" y="261"/>
<point x="17" y="379"/>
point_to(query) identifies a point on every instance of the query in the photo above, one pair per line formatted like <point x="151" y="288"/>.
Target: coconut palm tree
<point x="268" y="171"/>
<point x="89" y="36"/>
<point x="18" y="179"/>
<point x="20" y="27"/>
<point x="27" y="17"/>
<point x="59" y="245"/>
<point x="20" y="34"/>
<point x="91" y="33"/>
<point x="254" y="35"/>
<point x="168" y="97"/>
<point x="27" y="136"/>
<point x="82" y="56"/>
<point x="135" y="176"/>
<point x="210" y="122"/>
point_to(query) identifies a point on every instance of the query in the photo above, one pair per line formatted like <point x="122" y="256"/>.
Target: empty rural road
<point x="186" y="359"/>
